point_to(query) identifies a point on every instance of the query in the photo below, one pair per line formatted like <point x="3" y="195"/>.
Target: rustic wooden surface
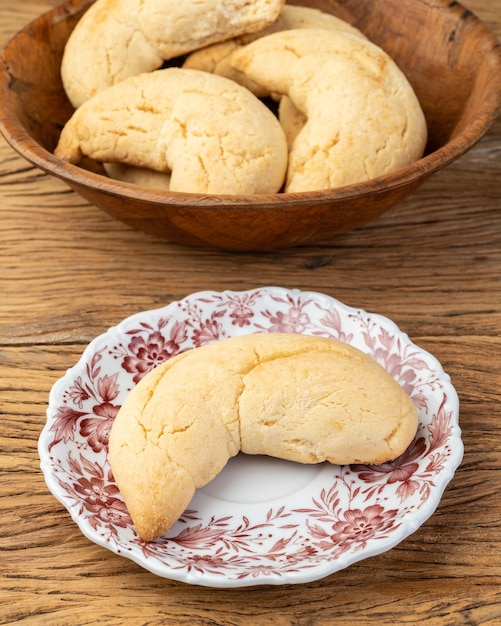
<point x="68" y="272"/>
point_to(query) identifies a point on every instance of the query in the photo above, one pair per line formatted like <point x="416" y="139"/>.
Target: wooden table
<point x="69" y="272"/>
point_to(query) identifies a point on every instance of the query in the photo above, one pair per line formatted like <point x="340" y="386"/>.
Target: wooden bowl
<point x="451" y="59"/>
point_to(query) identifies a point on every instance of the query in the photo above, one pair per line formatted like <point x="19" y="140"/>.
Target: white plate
<point x="262" y="520"/>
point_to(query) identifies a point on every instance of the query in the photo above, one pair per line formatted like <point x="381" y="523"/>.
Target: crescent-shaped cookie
<point x="302" y="398"/>
<point x="116" y="39"/>
<point x="363" y="119"/>
<point x="186" y="122"/>
<point x="217" y="57"/>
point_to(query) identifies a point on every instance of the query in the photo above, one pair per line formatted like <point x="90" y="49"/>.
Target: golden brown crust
<point x="216" y="58"/>
<point x="116" y="39"/>
<point x="301" y="398"/>
<point x="363" y="119"/>
<point x="154" y="121"/>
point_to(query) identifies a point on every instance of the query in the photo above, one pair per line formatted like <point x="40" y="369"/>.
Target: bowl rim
<point x="22" y="142"/>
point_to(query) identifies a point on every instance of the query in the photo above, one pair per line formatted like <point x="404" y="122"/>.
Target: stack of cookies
<point x="342" y="111"/>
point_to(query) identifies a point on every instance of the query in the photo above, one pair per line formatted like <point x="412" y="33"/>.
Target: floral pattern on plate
<point x="292" y="524"/>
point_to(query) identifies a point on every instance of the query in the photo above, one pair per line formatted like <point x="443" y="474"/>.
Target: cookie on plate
<point x="303" y="398"/>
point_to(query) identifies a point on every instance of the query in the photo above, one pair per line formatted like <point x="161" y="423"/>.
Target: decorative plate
<point x="262" y="520"/>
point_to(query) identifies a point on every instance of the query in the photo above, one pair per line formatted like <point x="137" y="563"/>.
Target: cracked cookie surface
<point x="296" y="397"/>
<point x="209" y="133"/>
<point x="363" y="119"/>
<point x="217" y="57"/>
<point x="116" y="39"/>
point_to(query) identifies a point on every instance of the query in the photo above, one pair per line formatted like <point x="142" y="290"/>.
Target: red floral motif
<point x="220" y="530"/>
<point x="204" y="329"/>
<point x="294" y="320"/>
<point x="356" y="527"/>
<point x="145" y="353"/>
<point x="302" y="554"/>
<point x="96" y="494"/>
<point x="205" y="562"/>
<point x="96" y="429"/>
<point x="399" y="360"/>
<point x="107" y="387"/>
<point x="440" y="426"/>
<point x="349" y="527"/>
<point x="400" y="472"/>
<point x="113" y="516"/>
<point x="195" y="536"/>
<point x="406" y="472"/>
<point x="241" y="307"/>
<point x="64" y="425"/>
<point x="78" y="393"/>
<point x="332" y="321"/>
<point x="259" y="570"/>
<point x="209" y="331"/>
<point x="357" y="504"/>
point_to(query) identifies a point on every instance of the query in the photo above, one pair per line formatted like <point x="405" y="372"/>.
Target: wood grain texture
<point x="68" y="272"/>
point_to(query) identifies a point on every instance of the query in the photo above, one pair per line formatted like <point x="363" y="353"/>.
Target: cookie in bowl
<point x="34" y="108"/>
<point x="153" y="121"/>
